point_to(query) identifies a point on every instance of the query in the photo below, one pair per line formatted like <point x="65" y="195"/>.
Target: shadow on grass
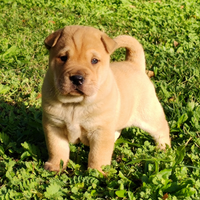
<point x="21" y="124"/>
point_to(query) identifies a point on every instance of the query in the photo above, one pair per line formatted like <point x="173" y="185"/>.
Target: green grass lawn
<point x="169" y="31"/>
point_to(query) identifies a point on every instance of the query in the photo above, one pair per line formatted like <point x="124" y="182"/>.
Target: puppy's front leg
<point x="101" y="149"/>
<point x="57" y="145"/>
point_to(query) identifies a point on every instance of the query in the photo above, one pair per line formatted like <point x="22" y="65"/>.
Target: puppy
<point x="86" y="99"/>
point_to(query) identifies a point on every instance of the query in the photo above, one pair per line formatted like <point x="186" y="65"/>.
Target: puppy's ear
<point x="52" y="39"/>
<point x="109" y="44"/>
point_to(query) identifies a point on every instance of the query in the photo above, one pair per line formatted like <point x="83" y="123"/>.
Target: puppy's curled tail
<point x="134" y="50"/>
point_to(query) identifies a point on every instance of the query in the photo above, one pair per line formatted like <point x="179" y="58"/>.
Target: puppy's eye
<point x="63" y="58"/>
<point x="94" y="61"/>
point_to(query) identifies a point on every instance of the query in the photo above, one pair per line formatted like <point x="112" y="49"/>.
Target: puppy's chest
<point x="75" y="122"/>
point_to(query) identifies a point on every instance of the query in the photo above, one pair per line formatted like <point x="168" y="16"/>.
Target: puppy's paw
<point x="51" y="167"/>
<point x="164" y="146"/>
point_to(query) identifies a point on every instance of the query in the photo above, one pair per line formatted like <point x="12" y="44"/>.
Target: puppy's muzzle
<point x="77" y="80"/>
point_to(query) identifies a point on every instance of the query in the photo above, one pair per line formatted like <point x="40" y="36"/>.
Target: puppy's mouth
<point x="71" y="90"/>
<point x="76" y="92"/>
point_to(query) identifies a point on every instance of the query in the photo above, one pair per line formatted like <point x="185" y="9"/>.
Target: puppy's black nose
<point x="77" y="79"/>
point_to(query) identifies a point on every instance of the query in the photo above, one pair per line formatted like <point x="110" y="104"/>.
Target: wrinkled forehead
<point x="82" y="39"/>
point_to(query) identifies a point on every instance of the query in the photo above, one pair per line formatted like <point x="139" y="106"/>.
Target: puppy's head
<point x="79" y="61"/>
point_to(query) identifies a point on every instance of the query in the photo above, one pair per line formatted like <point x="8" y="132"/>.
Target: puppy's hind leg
<point x="160" y="133"/>
<point x="155" y="124"/>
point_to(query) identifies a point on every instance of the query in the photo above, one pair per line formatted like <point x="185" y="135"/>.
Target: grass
<point x="169" y="31"/>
